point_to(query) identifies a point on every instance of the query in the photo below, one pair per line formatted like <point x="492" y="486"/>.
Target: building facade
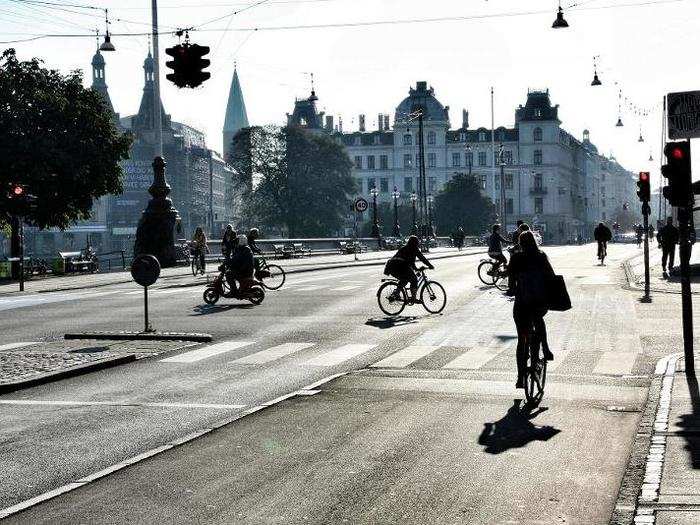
<point x="554" y="181"/>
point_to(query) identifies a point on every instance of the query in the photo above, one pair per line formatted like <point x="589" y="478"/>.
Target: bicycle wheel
<point x="276" y="278"/>
<point x="501" y="281"/>
<point x="433" y="297"/>
<point x="484" y="271"/>
<point x="391" y="298"/>
<point x="256" y="295"/>
<point x="210" y="296"/>
<point x="535" y="377"/>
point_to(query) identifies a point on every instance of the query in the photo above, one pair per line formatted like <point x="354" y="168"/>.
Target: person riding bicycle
<point x="199" y="246"/>
<point x="602" y="235"/>
<point x="639" y="230"/>
<point x="239" y="267"/>
<point x="531" y="268"/>
<point x="253" y="235"/>
<point x="402" y="265"/>
<point x="495" y="248"/>
<point x="229" y="241"/>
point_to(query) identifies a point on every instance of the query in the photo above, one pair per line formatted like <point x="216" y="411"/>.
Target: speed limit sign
<point x="361" y="205"/>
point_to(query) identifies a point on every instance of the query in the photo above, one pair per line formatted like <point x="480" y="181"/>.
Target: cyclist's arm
<point x="424" y="260"/>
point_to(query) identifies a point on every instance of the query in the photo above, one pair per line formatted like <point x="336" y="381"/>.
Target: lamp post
<point x="397" y="229"/>
<point x="503" y="188"/>
<point x="375" y="218"/>
<point x="431" y="233"/>
<point x="414" y="228"/>
<point x="468" y="149"/>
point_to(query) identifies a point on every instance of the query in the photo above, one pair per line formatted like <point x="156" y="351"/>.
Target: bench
<point x="74" y="262"/>
<point x="281" y="251"/>
<point x="343" y="247"/>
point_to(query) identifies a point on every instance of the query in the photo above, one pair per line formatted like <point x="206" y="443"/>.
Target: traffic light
<point x="644" y="187"/>
<point x="677" y="171"/>
<point x="16" y="191"/>
<point x="187" y="65"/>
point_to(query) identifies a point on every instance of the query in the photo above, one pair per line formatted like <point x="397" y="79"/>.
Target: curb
<point x="142" y="336"/>
<point x="308" y="390"/>
<point x="633" y="284"/>
<point x="58" y="375"/>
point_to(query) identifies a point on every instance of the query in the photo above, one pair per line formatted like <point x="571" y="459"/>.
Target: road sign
<point x="361" y="205"/>
<point x="145" y="269"/>
<point x="684" y="115"/>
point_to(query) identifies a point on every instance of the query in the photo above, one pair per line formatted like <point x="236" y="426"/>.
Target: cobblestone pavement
<point x="25" y="361"/>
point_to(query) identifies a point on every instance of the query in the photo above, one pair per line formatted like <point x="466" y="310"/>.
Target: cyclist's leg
<point x="413" y="282"/>
<point x="541" y="331"/>
<point x="202" y="262"/>
<point x="522" y="320"/>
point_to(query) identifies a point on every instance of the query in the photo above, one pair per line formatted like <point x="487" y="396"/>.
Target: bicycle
<point x="271" y="276"/>
<point x="393" y="298"/>
<point x="602" y="252"/>
<point x="535" y="368"/>
<point x="197" y="267"/>
<point x="493" y="273"/>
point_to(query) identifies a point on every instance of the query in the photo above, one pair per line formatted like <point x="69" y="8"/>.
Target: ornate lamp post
<point x="397" y="229"/>
<point x="468" y="149"/>
<point x="375" y="218"/>
<point x="431" y="233"/>
<point x="414" y="228"/>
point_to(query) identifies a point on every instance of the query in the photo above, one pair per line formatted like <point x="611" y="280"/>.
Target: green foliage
<point x="461" y="203"/>
<point x="385" y="213"/>
<point x="298" y="183"/>
<point x="58" y="140"/>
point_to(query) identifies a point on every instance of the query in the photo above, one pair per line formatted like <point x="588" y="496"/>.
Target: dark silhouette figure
<point x="668" y="238"/>
<point x="515" y="429"/>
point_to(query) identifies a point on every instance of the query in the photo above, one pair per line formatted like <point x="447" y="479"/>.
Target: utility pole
<point x="157" y="123"/>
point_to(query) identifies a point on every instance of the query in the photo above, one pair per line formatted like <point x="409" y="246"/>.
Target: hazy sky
<point x="648" y="47"/>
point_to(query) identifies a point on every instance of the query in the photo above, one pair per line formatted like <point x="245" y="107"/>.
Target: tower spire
<point x="236" y="115"/>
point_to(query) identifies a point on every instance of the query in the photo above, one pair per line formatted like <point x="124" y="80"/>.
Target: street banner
<point x="684" y="115"/>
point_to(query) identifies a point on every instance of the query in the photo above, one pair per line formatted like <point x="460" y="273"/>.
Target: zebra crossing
<point x="498" y="355"/>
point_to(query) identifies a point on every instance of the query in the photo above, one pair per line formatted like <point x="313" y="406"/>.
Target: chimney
<point x="465" y="119"/>
<point x="380" y="122"/>
<point x="340" y="124"/>
<point x="362" y="123"/>
<point x="386" y="122"/>
<point x="329" y="122"/>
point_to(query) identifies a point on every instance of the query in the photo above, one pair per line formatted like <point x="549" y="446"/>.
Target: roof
<point x="385" y="138"/>
<point x="236" y="115"/>
<point x="421" y="97"/>
<point x="537" y="107"/>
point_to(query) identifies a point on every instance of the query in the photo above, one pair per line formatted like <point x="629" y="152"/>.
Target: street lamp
<point x="397" y="229"/>
<point x="469" y="157"/>
<point x="431" y="233"/>
<point x="375" y="219"/>
<point x="503" y="187"/>
<point x="414" y="228"/>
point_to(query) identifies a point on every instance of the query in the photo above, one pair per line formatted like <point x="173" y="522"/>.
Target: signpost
<point x="360" y="206"/>
<point x="145" y="269"/>
<point x="684" y="115"/>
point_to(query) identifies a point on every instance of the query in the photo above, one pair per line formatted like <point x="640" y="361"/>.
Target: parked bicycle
<point x="393" y="298"/>
<point x="493" y="273"/>
<point x="535" y="369"/>
<point x="271" y="276"/>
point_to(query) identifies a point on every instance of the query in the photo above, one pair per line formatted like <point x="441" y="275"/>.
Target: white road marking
<point x="345" y="288"/>
<point x="12" y="346"/>
<point x="310" y="288"/>
<point x="137" y="292"/>
<point x="474" y="358"/>
<point x="616" y="363"/>
<point x="337" y="356"/>
<point x="559" y="358"/>
<point x="206" y="351"/>
<point x="405" y="357"/>
<point x="42" y="402"/>
<point x="272" y="354"/>
<point x="167" y="292"/>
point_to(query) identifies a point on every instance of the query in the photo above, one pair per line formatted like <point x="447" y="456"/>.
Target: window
<point x="407" y="139"/>
<point x="539" y="205"/>
<point x="463" y="137"/>
<point x="602" y="202"/>
<point x="431" y="138"/>
<point x="537" y="158"/>
<point x="358" y="162"/>
<point x="407" y="161"/>
<point x="432" y="184"/>
<point x="469" y="158"/>
<point x="509" y="206"/>
<point x="482" y="158"/>
<point x="508" y="157"/>
<point x="538" y="181"/>
<point x="370" y="162"/>
<point x="509" y="181"/>
<point x="483" y="181"/>
<point x="537" y="135"/>
<point x="538" y="113"/>
<point x="417" y="160"/>
<point x="371" y="183"/>
<point x="383" y="162"/>
<point x="497" y="181"/>
<point x="384" y="185"/>
<point x="482" y="136"/>
<point x="604" y="217"/>
<point x="431" y="160"/>
<point x="376" y="139"/>
<point x="456" y="160"/>
<point x="408" y="184"/>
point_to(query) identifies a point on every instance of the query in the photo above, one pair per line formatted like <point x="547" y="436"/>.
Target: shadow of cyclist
<point x="515" y="430"/>
<point x="391" y="322"/>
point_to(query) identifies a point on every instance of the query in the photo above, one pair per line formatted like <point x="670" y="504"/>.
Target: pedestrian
<point x="668" y="238"/>
<point x="516" y="234"/>
<point x="531" y="270"/>
<point x="651" y="232"/>
<point x="459" y="238"/>
<point x="229" y="241"/>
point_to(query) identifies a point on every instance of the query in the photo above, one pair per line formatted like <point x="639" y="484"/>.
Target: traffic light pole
<point x="686" y="297"/>
<point x="646" y="210"/>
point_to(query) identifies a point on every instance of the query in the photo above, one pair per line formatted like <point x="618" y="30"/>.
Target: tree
<point x="300" y="182"/>
<point x="58" y="140"/>
<point x="461" y="203"/>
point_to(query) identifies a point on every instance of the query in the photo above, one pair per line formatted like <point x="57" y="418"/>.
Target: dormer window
<point x="376" y="140"/>
<point x="463" y="137"/>
<point x="482" y="136"/>
<point x="538" y="113"/>
<point x="358" y="140"/>
<point x="431" y="138"/>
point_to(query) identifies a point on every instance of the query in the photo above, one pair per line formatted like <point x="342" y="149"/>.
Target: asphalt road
<point x="443" y="441"/>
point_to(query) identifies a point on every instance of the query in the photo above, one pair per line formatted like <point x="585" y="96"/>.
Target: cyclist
<point x="199" y="246"/>
<point x="402" y="265"/>
<point x="530" y="268"/>
<point x="640" y="233"/>
<point x="495" y="248"/>
<point x="602" y="235"/>
<point x="253" y="235"/>
<point x="229" y="241"/>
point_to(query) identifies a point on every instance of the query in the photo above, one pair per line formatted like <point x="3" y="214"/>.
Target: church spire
<point x="143" y="121"/>
<point x="99" y="82"/>
<point x="236" y="116"/>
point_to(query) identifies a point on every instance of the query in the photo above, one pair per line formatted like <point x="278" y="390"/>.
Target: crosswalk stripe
<point x="12" y="346"/>
<point x="310" y="288"/>
<point x="337" y="356"/>
<point x="167" y="292"/>
<point x="616" y="363"/>
<point x="344" y="288"/>
<point x="271" y="354"/>
<point x="137" y="292"/>
<point x="474" y="358"/>
<point x="206" y="352"/>
<point x="405" y="357"/>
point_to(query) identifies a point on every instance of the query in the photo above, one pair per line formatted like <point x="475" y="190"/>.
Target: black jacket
<point x="602" y="233"/>
<point x="407" y="255"/>
<point x="242" y="262"/>
<point x="531" y="272"/>
<point x="668" y="236"/>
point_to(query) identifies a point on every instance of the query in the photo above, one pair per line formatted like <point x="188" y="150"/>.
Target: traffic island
<point x="142" y="336"/>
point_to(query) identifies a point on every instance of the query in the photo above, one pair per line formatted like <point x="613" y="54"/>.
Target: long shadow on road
<point x="207" y="309"/>
<point x="391" y="322"/>
<point x="690" y="423"/>
<point x="515" y="429"/>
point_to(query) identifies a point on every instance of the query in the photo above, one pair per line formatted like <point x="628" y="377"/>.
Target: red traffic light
<point x="677" y="153"/>
<point x="644" y="176"/>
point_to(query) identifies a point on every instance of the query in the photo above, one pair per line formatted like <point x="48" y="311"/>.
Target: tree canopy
<point x="461" y="203"/>
<point x="298" y="183"/>
<point x="58" y="140"/>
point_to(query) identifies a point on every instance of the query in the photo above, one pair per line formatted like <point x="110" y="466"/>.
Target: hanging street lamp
<point x="596" y="80"/>
<point x="107" y="44"/>
<point x="560" y="23"/>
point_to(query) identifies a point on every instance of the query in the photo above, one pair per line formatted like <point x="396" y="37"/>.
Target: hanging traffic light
<point x="187" y="65"/>
<point x="677" y="171"/>
<point x="644" y="187"/>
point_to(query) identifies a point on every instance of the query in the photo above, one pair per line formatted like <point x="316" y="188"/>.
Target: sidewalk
<point x="634" y="268"/>
<point x="305" y="264"/>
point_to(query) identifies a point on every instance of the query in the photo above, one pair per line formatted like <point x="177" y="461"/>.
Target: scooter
<point x="255" y="293"/>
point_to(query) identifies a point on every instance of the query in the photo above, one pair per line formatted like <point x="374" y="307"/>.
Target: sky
<point x="644" y="48"/>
